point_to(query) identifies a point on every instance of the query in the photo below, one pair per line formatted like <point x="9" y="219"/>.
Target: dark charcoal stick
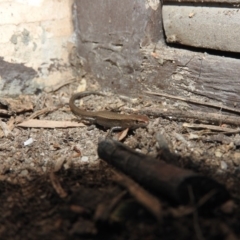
<point x="161" y="178"/>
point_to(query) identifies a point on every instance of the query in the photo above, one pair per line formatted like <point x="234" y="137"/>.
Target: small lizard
<point x="107" y="119"/>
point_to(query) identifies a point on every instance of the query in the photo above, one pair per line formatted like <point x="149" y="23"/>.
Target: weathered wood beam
<point x="213" y="77"/>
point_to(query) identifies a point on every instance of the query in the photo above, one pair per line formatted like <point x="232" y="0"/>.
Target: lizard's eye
<point x="137" y="122"/>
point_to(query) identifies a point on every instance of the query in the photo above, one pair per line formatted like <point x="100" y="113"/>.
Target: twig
<point x="42" y="111"/>
<point x="104" y="211"/>
<point x="190" y="209"/>
<point x="200" y="116"/>
<point x="195" y="101"/>
<point x="58" y="86"/>
<point x="211" y="127"/>
<point x="57" y="185"/>
<point x="141" y="195"/>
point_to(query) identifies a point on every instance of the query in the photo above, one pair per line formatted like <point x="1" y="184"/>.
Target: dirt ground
<point x="56" y="187"/>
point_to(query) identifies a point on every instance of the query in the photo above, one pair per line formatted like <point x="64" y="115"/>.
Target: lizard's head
<point x="139" y="121"/>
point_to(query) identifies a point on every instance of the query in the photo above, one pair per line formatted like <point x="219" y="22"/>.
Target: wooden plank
<point x="204" y="27"/>
<point x="199" y="74"/>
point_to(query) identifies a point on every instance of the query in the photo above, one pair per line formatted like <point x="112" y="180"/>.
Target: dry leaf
<point x="34" y="123"/>
<point x="123" y="134"/>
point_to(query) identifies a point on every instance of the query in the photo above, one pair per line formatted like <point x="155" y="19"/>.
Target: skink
<point x="107" y="119"/>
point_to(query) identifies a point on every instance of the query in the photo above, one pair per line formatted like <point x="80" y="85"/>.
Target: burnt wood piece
<point x="161" y="178"/>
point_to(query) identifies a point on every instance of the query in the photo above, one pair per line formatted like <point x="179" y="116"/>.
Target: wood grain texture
<point x="204" y="75"/>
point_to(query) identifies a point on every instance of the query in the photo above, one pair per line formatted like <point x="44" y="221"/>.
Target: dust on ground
<point x="31" y="208"/>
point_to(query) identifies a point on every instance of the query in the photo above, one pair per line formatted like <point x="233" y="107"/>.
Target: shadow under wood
<point x="178" y="185"/>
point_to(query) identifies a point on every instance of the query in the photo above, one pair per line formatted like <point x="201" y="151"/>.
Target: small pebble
<point x="24" y="173"/>
<point x="224" y="165"/>
<point x="28" y="142"/>
<point x="84" y="159"/>
<point x="218" y="153"/>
